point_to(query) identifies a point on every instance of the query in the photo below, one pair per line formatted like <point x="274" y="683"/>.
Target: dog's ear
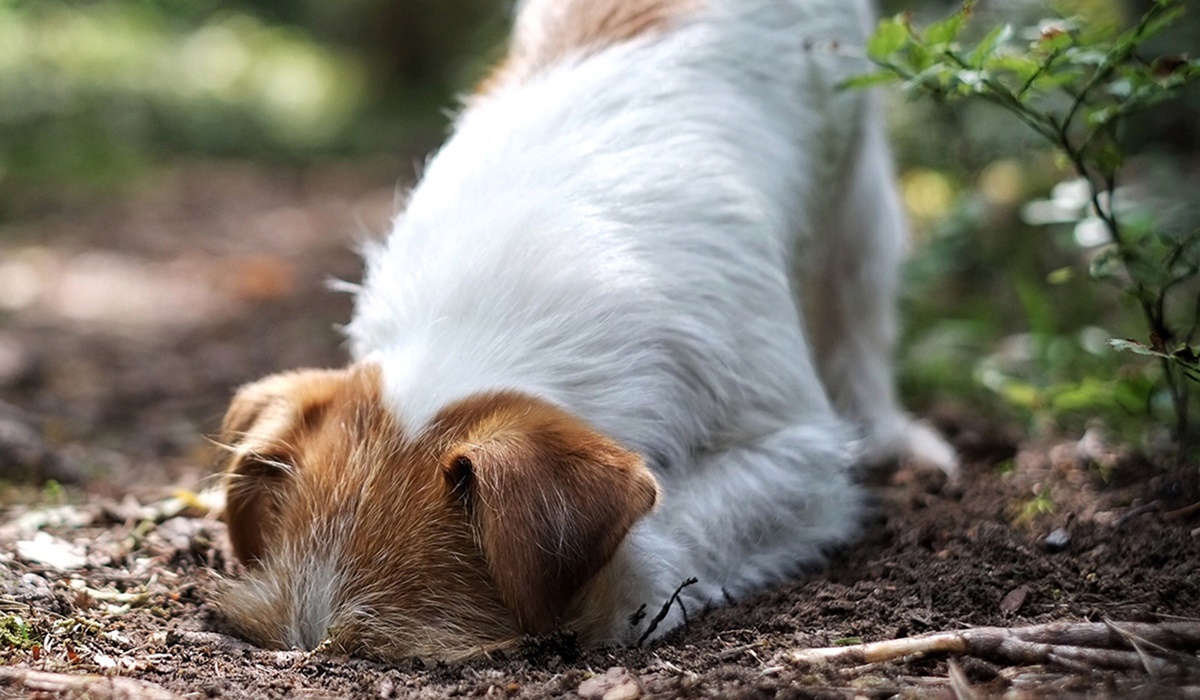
<point x="550" y="500"/>
<point x="264" y="424"/>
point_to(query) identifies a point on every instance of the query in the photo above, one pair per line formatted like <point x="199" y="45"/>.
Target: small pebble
<point x="616" y="684"/>
<point x="1014" y="600"/>
<point x="105" y="661"/>
<point x="1057" y="541"/>
<point x="287" y="659"/>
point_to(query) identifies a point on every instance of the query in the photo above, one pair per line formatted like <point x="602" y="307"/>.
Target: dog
<point x="618" y="358"/>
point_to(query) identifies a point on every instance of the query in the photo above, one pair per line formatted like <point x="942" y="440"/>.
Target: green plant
<point x="1075" y="86"/>
<point x="15" y="633"/>
<point x="1041" y="504"/>
<point x="52" y="492"/>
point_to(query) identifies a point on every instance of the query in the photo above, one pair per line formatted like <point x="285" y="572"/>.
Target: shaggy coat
<point x="632" y="328"/>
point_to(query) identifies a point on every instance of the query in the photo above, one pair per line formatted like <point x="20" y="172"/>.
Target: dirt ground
<point x="126" y="322"/>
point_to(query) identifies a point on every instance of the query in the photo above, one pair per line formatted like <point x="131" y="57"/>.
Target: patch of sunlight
<point x="928" y="194"/>
<point x="1091" y="232"/>
<point x="213" y="60"/>
<point x="1003" y="182"/>
<point x="302" y="95"/>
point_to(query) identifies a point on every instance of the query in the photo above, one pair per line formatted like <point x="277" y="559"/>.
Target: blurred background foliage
<point x="92" y="91"/>
<point x="97" y="94"/>
<point x="1001" y="311"/>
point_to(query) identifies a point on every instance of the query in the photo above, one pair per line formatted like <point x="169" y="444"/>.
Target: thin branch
<point x="666" y="609"/>
<point x="1110" y="64"/>
<point x="1042" y="68"/>
<point x="1099" y="644"/>
<point x="39" y="683"/>
<point x="1191" y="334"/>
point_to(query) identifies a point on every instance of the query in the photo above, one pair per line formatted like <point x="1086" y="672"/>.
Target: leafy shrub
<point x="1075" y="86"/>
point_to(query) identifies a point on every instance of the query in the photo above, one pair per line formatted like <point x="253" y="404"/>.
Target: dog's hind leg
<point x="850" y="286"/>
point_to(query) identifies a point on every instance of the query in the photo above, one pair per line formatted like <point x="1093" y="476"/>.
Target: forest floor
<point x="125" y="325"/>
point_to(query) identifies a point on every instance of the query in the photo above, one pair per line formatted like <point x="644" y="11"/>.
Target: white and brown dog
<point x="632" y="328"/>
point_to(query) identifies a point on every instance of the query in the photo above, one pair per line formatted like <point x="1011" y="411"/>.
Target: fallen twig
<point x="959" y="684"/>
<point x="109" y="596"/>
<point x="80" y="686"/>
<point x="1069" y="644"/>
<point x="1150" y="507"/>
<point x="666" y="609"/>
<point x="1182" y="512"/>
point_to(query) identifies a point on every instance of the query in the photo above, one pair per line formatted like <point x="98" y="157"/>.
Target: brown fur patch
<point x="437" y="545"/>
<point x="551" y="31"/>
<point x="261" y="426"/>
<point x="550" y="497"/>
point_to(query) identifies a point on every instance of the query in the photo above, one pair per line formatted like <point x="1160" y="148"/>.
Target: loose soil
<point x="128" y="322"/>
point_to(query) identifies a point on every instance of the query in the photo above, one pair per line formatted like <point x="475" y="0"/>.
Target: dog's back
<point x="612" y="224"/>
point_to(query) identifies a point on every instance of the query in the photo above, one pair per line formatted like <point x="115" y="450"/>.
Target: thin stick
<point x="91" y="686"/>
<point x="1098" y="644"/>
<point x="959" y="684"/>
<point x="1182" y="512"/>
<point x="666" y="609"/>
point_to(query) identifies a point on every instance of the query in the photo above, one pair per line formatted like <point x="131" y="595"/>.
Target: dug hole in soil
<point x="128" y="323"/>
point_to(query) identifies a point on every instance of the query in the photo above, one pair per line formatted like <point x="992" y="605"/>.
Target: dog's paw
<point x="924" y="447"/>
<point x="903" y="440"/>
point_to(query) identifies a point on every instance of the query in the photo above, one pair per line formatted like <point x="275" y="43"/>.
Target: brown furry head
<point x="440" y="544"/>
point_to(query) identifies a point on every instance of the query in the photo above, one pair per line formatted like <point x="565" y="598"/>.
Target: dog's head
<point x="363" y="536"/>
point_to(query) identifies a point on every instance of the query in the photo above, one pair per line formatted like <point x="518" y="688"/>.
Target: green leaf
<point x="15" y="632"/>
<point x="1158" y="24"/>
<point x="1109" y="158"/>
<point x="939" y="78"/>
<point x="1021" y="66"/>
<point x="1060" y="276"/>
<point x="987" y="45"/>
<point x="1056" y="78"/>
<point x="867" y="80"/>
<point x="1054" y="41"/>
<point x="1088" y="395"/>
<point x="890" y="36"/>
<point x="1021" y="394"/>
<point x="946" y="31"/>
<point x="1100" y="116"/>
<point x="919" y="57"/>
<point x="1106" y="265"/>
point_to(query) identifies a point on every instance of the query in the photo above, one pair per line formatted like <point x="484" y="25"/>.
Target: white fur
<point x="691" y="241"/>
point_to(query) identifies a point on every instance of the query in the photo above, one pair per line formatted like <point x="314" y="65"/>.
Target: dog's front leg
<point x="734" y="520"/>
